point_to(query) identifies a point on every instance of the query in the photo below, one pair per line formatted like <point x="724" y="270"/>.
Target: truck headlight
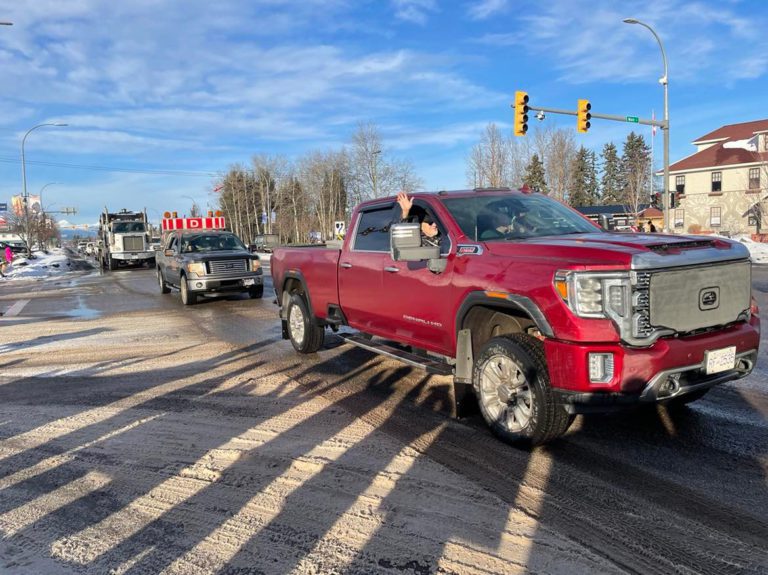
<point x="196" y="268"/>
<point x="255" y="265"/>
<point x="595" y="294"/>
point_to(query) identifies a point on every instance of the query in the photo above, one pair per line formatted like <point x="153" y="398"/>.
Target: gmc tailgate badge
<point x="709" y="298"/>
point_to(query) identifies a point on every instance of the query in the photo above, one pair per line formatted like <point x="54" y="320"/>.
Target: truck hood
<point x="614" y="249"/>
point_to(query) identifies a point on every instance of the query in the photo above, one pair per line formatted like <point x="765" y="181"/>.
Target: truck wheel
<point x="305" y="336"/>
<point x="256" y="292"/>
<point x="163" y="286"/>
<point x="112" y="263"/>
<point x="187" y="297"/>
<point x="514" y="393"/>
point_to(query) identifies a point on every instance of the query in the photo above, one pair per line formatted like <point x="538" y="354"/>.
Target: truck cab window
<point x="372" y="233"/>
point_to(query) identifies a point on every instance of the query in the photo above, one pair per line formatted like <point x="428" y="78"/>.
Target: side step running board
<point x="428" y="364"/>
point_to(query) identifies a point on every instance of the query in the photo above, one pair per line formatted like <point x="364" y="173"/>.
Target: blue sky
<point x="161" y="95"/>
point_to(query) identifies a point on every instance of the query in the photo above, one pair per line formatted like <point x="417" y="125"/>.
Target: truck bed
<point x="319" y="268"/>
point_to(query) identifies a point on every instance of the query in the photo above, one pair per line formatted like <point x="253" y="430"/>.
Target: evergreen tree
<point x="635" y="169"/>
<point x="534" y="177"/>
<point x="583" y="188"/>
<point x="611" y="184"/>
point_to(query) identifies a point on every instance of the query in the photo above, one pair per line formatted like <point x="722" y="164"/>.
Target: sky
<point x="160" y="97"/>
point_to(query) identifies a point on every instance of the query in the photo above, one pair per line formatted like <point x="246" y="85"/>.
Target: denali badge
<point x="709" y="298"/>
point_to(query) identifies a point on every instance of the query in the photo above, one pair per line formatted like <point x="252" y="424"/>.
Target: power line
<point x="7" y="160"/>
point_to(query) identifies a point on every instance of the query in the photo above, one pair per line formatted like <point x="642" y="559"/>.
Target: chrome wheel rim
<point x="184" y="295"/>
<point x="505" y="393"/>
<point x="296" y="324"/>
<point x="160" y="279"/>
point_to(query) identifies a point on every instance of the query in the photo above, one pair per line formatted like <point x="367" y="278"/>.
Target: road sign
<point x="634" y="119"/>
<point x="340" y="228"/>
<point x="3" y="207"/>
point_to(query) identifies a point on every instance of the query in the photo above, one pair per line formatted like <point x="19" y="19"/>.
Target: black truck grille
<point x="227" y="267"/>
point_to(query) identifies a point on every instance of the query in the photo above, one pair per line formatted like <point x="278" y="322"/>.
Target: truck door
<point x="425" y="310"/>
<point x="364" y="302"/>
<point x="172" y="262"/>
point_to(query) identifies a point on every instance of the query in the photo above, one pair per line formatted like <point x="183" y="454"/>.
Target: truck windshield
<point x="127" y="227"/>
<point x="210" y="243"/>
<point x="515" y="216"/>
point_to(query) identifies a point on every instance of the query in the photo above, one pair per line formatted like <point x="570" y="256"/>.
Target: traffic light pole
<point x="630" y="119"/>
<point x="663" y="124"/>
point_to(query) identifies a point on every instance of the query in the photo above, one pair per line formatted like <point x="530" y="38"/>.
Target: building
<point x="722" y="187"/>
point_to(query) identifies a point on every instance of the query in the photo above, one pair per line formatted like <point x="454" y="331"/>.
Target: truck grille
<point x="690" y="299"/>
<point x="133" y="243"/>
<point x="227" y="267"/>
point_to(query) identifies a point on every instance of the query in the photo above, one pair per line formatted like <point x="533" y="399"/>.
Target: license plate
<point x="718" y="360"/>
<point x="249" y="282"/>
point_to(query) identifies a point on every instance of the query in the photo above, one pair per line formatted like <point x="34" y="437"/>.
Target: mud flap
<point x="465" y="402"/>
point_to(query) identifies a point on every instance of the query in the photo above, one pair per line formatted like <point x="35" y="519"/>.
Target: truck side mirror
<point x="405" y="244"/>
<point x="604" y="222"/>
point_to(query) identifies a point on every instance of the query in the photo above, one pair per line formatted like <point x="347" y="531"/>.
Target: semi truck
<point x="124" y="239"/>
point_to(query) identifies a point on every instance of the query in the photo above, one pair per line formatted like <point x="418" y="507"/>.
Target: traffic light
<point x="521" y="113"/>
<point x="672" y="200"/>
<point x="583" y="116"/>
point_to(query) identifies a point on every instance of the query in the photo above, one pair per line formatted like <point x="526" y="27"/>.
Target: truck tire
<point x="305" y="335"/>
<point x="256" y="292"/>
<point x="187" y="297"/>
<point x="112" y="263"/>
<point x="160" y="280"/>
<point x="514" y="393"/>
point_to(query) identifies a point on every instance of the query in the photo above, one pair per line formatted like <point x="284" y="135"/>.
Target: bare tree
<point x="557" y="149"/>
<point x="323" y="176"/>
<point x="372" y="174"/>
<point x="489" y="162"/>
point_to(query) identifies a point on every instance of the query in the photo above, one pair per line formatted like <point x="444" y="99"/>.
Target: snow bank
<point x="43" y="265"/>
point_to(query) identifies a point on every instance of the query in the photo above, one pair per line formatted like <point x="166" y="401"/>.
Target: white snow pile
<point x="43" y="265"/>
<point x="758" y="251"/>
<point x="749" y="144"/>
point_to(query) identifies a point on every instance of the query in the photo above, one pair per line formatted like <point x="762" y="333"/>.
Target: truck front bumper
<point x="132" y="256"/>
<point x="670" y="368"/>
<point x="225" y="284"/>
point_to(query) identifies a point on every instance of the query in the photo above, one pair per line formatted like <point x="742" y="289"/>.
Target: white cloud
<point x="486" y="8"/>
<point x="415" y="11"/>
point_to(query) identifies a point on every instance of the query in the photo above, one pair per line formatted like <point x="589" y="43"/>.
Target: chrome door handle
<point x="345" y="265"/>
<point x="391" y="269"/>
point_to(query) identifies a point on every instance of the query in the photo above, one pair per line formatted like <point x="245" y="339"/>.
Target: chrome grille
<point x="227" y="267"/>
<point x="667" y="301"/>
<point x="133" y="243"/>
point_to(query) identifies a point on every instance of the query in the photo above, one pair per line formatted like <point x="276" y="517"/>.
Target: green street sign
<point x="634" y="119"/>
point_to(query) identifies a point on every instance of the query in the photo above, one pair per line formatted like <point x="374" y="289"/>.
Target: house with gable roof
<point x="723" y="186"/>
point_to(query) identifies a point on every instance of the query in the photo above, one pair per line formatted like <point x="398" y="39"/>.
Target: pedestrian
<point x="651" y="227"/>
<point x="7" y="259"/>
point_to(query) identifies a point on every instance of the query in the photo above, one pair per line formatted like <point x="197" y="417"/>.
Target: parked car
<point x="15" y="247"/>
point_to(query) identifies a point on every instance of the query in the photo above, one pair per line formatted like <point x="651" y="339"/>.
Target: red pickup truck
<point x="528" y="304"/>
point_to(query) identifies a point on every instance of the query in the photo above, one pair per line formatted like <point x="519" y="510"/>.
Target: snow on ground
<point x="758" y="251"/>
<point x="42" y="266"/>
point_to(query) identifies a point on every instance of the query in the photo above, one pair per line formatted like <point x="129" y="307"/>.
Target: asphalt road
<point x="138" y="435"/>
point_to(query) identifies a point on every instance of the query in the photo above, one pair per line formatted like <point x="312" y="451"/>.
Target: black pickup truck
<point x="203" y="262"/>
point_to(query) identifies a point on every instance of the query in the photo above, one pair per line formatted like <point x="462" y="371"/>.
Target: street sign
<point x="340" y="228"/>
<point x="3" y="207"/>
<point x="634" y="119"/>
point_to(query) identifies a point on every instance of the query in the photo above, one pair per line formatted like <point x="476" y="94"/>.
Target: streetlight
<point x="40" y="193"/>
<point x="24" y="197"/>
<point x="23" y="163"/>
<point x="664" y="81"/>
<point x="195" y="209"/>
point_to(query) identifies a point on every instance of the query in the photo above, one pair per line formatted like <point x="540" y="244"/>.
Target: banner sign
<point x="169" y="224"/>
